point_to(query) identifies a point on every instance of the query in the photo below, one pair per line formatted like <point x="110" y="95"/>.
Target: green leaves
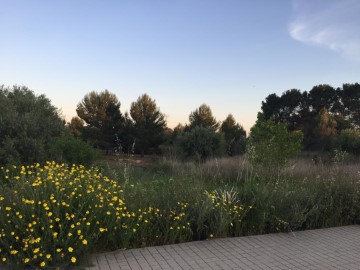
<point x="272" y="145"/>
<point x="202" y="117"/>
<point x="101" y="112"/>
<point x="235" y="136"/>
<point x="29" y="124"/>
<point x="149" y="123"/>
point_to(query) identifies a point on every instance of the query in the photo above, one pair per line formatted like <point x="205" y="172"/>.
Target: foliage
<point x="53" y="214"/>
<point x="325" y="130"/>
<point x="101" y="112"/>
<point x="285" y="109"/>
<point x="218" y="214"/>
<point x="203" y="117"/>
<point x="349" y="140"/>
<point x="272" y="145"/>
<point x="149" y="124"/>
<point x="200" y="142"/>
<point x="350" y="97"/>
<point x="29" y="124"/>
<point x="323" y="107"/>
<point x="305" y="196"/>
<point x="73" y="150"/>
<point x="235" y="136"/>
<point x="76" y="126"/>
<point x="162" y="204"/>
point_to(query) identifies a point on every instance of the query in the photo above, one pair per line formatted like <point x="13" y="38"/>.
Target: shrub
<point x="73" y="151"/>
<point x="200" y="142"/>
<point x="29" y="125"/>
<point x="217" y="214"/>
<point x="272" y="145"/>
<point x="51" y="215"/>
<point x="350" y="140"/>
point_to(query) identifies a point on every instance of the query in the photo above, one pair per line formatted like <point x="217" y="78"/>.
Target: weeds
<point x="54" y="214"/>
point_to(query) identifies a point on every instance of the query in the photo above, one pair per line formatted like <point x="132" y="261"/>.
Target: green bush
<point x="271" y="145"/>
<point x="29" y="125"/>
<point x="350" y="140"/>
<point x="73" y="151"/>
<point x="199" y="142"/>
<point x="52" y="214"/>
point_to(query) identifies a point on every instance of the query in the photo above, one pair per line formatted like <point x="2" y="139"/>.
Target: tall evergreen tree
<point x="203" y="117"/>
<point x="234" y="135"/>
<point x="101" y="112"/>
<point x="148" y="124"/>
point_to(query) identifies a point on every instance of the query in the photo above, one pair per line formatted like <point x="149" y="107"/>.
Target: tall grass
<point x="304" y="195"/>
<point x="48" y="210"/>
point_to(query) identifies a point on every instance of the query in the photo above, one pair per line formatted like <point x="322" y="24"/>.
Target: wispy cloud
<point x="334" y="24"/>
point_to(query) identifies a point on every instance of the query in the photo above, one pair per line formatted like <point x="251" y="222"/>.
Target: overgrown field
<point x="53" y="214"/>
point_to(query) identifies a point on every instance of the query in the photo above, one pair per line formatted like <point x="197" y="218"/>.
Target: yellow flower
<point x="36" y="250"/>
<point x="84" y="242"/>
<point x="26" y="260"/>
<point x="13" y="252"/>
<point x="58" y="250"/>
<point x="48" y="256"/>
<point x="3" y="259"/>
<point x="73" y="259"/>
<point x="42" y="264"/>
<point x="70" y="249"/>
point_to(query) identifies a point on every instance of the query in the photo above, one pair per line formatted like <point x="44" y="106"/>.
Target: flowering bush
<point x="51" y="215"/>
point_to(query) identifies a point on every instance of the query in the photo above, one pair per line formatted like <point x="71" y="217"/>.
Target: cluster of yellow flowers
<point x="52" y="215"/>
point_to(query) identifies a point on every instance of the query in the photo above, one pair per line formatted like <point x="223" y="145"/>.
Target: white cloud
<point x="334" y="24"/>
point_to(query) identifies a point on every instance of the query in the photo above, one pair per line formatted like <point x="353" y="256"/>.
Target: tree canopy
<point x="29" y="125"/>
<point x="311" y="111"/>
<point x="234" y="135"/>
<point x="148" y="124"/>
<point x="203" y="117"/>
<point x="101" y="113"/>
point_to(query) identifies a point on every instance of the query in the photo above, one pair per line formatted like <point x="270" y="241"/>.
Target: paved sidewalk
<point x="333" y="248"/>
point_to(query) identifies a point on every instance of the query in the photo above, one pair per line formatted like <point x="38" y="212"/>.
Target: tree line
<point x="143" y="130"/>
<point x="329" y="118"/>
<point x="32" y="130"/>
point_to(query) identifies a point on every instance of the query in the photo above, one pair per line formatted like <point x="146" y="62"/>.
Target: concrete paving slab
<point x="331" y="248"/>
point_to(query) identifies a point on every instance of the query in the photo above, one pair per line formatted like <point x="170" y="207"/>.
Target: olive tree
<point x="29" y="125"/>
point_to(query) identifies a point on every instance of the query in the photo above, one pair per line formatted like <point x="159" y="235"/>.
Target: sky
<point x="228" y="54"/>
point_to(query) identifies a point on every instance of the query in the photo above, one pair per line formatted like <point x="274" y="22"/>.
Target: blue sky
<point x="229" y="54"/>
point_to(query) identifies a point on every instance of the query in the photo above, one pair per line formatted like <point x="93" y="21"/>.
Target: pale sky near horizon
<point x="229" y="54"/>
